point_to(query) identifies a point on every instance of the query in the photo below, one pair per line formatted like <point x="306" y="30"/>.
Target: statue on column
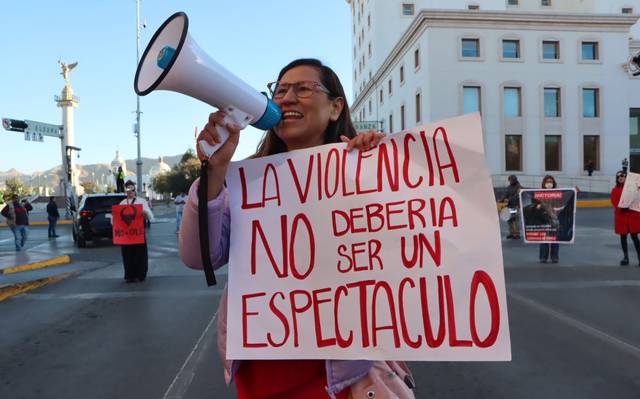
<point x="66" y="69"/>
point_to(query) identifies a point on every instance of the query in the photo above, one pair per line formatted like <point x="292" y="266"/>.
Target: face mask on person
<point x="548" y="185"/>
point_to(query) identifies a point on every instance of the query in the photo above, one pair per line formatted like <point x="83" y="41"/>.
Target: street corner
<point x="11" y="290"/>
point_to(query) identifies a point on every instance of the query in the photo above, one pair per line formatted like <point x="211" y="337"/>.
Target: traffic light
<point x="14" y="125"/>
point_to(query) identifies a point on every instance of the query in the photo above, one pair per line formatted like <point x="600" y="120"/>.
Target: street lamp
<point x="136" y="128"/>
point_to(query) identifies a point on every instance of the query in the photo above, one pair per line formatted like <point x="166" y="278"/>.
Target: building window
<point x="473" y="7"/>
<point x="370" y="107"/>
<point x="390" y="89"/>
<point x="369" y="49"/>
<point x="590" y="51"/>
<point x="471" y="101"/>
<point x="552" y="152"/>
<point x="512" y="2"/>
<point x="591" y="151"/>
<point x="511" y="49"/>
<point x="416" y="58"/>
<point x="390" y="123"/>
<point x="627" y="10"/>
<point x="512" y="102"/>
<point x="380" y="96"/>
<point x="418" y="108"/>
<point x="551" y="103"/>
<point x="408" y="9"/>
<point x="591" y="103"/>
<point x="369" y="21"/>
<point x="471" y="48"/>
<point x="551" y="50"/>
<point x="546" y="3"/>
<point x="402" y="117"/>
<point x="513" y="151"/>
<point x="401" y="74"/>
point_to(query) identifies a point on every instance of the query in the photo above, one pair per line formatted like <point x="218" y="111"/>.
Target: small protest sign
<point x="128" y="224"/>
<point x="630" y="197"/>
<point x="548" y="215"/>
<point x="391" y="253"/>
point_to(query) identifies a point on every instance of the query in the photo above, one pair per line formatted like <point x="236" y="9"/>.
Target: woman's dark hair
<point x="272" y="144"/>
<point x="549" y="177"/>
<point x="513" y="179"/>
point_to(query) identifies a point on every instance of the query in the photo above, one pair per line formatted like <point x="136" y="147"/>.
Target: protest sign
<point x="548" y="215"/>
<point x="392" y="253"/>
<point x="128" y="224"/>
<point x="630" y="197"/>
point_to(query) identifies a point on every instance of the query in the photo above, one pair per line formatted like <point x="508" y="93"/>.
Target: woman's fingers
<point x="363" y="141"/>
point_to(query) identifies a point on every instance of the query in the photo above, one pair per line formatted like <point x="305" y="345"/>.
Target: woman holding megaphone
<point x="315" y="112"/>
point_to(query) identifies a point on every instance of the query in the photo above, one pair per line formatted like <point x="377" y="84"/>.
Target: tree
<point x="14" y="186"/>
<point x="181" y="176"/>
<point x="89" y="187"/>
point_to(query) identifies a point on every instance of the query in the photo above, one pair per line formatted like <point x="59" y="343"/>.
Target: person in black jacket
<point x="512" y="197"/>
<point x="52" y="216"/>
<point x="17" y="215"/>
<point x="548" y="182"/>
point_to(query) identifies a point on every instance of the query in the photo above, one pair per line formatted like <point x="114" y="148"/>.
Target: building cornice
<point x="494" y="20"/>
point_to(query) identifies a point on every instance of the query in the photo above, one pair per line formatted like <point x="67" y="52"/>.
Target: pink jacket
<point x="363" y="376"/>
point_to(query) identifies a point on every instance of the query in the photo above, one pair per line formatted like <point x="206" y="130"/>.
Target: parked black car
<point x="92" y="219"/>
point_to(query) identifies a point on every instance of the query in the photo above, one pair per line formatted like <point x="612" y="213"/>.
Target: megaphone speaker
<point x="173" y="61"/>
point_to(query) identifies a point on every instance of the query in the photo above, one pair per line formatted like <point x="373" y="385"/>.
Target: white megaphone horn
<point x="173" y="61"/>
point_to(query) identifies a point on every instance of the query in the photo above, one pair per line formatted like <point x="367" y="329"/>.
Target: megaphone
<point x="173" y="61"/>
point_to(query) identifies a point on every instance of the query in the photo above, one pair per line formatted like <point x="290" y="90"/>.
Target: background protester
<point x="120" y="180"/>
<point x="52" y="216"/>
<point x="512" y="197"/>
<point x="546" y="250"/>
<point x="626" y="221"/>
<point x="315" y="112"/>
<point x="17" y="215"/>
<point x="180" y="200"/>
<point x="134" y="256"/>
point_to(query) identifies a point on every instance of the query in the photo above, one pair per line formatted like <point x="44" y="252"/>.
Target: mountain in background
<point x="101" y="171"/>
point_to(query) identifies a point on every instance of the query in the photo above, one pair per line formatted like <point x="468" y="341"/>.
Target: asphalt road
<point x="574" y="326"/>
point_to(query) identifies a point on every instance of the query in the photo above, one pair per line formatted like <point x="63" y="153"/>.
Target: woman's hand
<point x="363" y="141"/>
<point x="222" y="157"/>
<point x="219" y="161"/>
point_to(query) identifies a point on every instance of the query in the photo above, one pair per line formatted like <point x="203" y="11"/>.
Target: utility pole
<point x="136" y="128"/>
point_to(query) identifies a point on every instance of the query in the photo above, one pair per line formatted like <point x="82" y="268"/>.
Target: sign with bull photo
<point x="548" y="215"/>
<point x="128" y="224"/>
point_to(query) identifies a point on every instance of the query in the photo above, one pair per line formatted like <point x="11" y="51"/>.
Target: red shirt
<point x="283" y="379"/>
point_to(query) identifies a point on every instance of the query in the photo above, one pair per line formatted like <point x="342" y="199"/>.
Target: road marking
<point x="20" y="288"/>
<point x="180" y="384"/>
<point x="585" y="328"/>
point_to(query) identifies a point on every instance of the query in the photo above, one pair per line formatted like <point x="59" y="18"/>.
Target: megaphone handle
<point x="209" y="149"/>
<point x="232" y="115"/>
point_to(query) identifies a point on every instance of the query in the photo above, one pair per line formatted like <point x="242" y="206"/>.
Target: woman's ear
<point x="337" y="105"/>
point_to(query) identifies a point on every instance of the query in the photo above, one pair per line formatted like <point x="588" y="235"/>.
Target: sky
<point x="253" y="39"/>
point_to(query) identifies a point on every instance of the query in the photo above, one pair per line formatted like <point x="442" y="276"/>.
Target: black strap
<point x="203" y="224"/>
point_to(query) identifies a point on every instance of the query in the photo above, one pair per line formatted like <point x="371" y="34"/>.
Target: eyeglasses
<point x="303" y="89"/>
<point x="619" y="176"/>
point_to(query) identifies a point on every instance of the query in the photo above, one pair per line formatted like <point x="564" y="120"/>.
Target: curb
<point x="60" y="260"/>
<point x="42" y="223"/>
<point x="19" y="288"/>
<point x="603" y="203"/>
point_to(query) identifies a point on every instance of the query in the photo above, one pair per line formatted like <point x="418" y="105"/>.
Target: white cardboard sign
<point x="392" y="253"/>
<point x="630" y="197"/>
